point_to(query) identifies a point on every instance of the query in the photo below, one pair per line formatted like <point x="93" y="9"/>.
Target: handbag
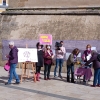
<point x="7" y="66"/>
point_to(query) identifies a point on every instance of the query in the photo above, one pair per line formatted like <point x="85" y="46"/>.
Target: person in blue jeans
<point x="96" y="66"/>
<point x="13" y="60"/>
<point x="72" y="59"/>
<point x="60" y="53"/>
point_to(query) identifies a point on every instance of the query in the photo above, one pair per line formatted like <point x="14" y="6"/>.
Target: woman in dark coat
<point x="96" y="67"/>
<point x="39" y="64"/>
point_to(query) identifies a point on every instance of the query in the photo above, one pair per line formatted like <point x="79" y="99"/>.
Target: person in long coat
<point x="96" y="67"/>
<point x="39" y="64"/>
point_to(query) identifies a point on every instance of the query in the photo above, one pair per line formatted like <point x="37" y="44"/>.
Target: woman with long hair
<point x="70" y="64"/>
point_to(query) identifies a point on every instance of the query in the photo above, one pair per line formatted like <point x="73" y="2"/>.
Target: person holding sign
<point x="13" y="60"/>
<point x="39" y="64"/>
<point x="86" y="57"/>
<point x="48" y="56"/>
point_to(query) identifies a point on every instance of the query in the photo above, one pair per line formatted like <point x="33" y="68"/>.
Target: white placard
<point x="94" y="48"/>
<point x="67" y="56"/>
<point x="27" y="54"/>
<point x="79" y="55"/>
<point x="88" y="57"/>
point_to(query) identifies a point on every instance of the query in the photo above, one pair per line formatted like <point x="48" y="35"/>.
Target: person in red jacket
<point x="48" y="55"/>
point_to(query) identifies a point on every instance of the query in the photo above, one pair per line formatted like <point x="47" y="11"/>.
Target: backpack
<point x="98" y="57"/>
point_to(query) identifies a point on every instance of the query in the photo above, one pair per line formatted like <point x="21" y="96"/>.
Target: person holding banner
<point x="48" y="56"/>
<point x="13" y="60"/>
<point x="86" y="56"/>
<point x="39" y="64"/>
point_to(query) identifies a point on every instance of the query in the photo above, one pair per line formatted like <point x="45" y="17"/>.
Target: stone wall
<point x="61" y="27"/>
<point x="53" y="3"/>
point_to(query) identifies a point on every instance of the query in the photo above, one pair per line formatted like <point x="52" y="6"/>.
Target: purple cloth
<point x="13" y="55"/>
<point x="85" y="54"/>
<point x="48" y="60"/>
<point x="83" y="71"/>
<point x="68" y="44"/>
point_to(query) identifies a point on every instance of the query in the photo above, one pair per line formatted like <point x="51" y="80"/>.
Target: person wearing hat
<point x="13" y="60"/>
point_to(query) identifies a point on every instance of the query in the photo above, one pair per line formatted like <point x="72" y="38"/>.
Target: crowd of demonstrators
<point x="72" y="59"/>
<point x="45" y="58"/>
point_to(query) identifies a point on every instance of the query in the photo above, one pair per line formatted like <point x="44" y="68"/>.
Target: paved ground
<point x="46" y="90"/>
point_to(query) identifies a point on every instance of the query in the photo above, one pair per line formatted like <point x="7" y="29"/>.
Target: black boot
<point x="72" y="79"/>
<point x="68" y="79"/>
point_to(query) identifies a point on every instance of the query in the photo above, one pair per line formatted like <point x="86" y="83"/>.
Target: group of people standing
<point x="46" y="59"/>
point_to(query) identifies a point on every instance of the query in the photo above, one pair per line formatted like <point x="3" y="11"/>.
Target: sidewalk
<point x="54" y="89"/>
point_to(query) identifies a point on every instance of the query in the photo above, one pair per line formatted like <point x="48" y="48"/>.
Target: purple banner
<point x="69" y="45"/>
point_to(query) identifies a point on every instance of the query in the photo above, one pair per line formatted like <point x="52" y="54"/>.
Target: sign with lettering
<point x="27" y="54"/>
<point x="45" y="39"/>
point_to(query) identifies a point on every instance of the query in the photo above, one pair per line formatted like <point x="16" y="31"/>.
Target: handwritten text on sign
<point x="45" y="39"/>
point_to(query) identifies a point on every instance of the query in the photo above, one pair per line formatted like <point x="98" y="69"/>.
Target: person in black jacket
<point x="39" y="64"/>
<point x="96" y="67"/>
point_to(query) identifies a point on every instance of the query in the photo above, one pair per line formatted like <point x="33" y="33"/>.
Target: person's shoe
<point x="72" y="81"/>
<point x="60" y="76"/>
<point x="93" y="85"/>
<point x="68" y="79"/>
<point x="48" y="79"/>
<point x="98" y="85"/>
<point x="38" y="76"/>
<point x="55" y="76"/>
<point x="17" y="83"/>
<point x="45" y="78"/>
<point x="7" y="83"/>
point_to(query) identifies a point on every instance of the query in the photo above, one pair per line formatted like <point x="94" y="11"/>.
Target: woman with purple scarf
<point x="72" y="59"/>
<point x="86" y="57"/>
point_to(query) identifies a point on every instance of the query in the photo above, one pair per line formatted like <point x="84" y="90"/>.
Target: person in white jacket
<point x="59" y="59"/>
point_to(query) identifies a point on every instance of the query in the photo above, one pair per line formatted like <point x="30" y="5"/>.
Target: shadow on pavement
<point x="40" y="92"/>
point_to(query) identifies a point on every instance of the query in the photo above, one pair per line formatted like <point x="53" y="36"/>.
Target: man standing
<point x="13" y="60"/>
<point x="60" y="53"/>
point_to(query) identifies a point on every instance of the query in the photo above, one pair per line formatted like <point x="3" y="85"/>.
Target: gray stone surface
<point x="53" y="3"/>
<point x="54" y="89"/>
<point x="61" y="27"/>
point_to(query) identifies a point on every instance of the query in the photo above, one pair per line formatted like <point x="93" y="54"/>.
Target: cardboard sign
<point x="45" y="39"/>
<point x="26" y="54"/>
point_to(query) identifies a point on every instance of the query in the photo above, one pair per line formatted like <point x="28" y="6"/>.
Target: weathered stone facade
<point x="61" y="27"/>
<point x="53" y="3"/>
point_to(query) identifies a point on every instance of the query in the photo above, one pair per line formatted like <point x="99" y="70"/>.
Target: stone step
<point x="51" y="12"/>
